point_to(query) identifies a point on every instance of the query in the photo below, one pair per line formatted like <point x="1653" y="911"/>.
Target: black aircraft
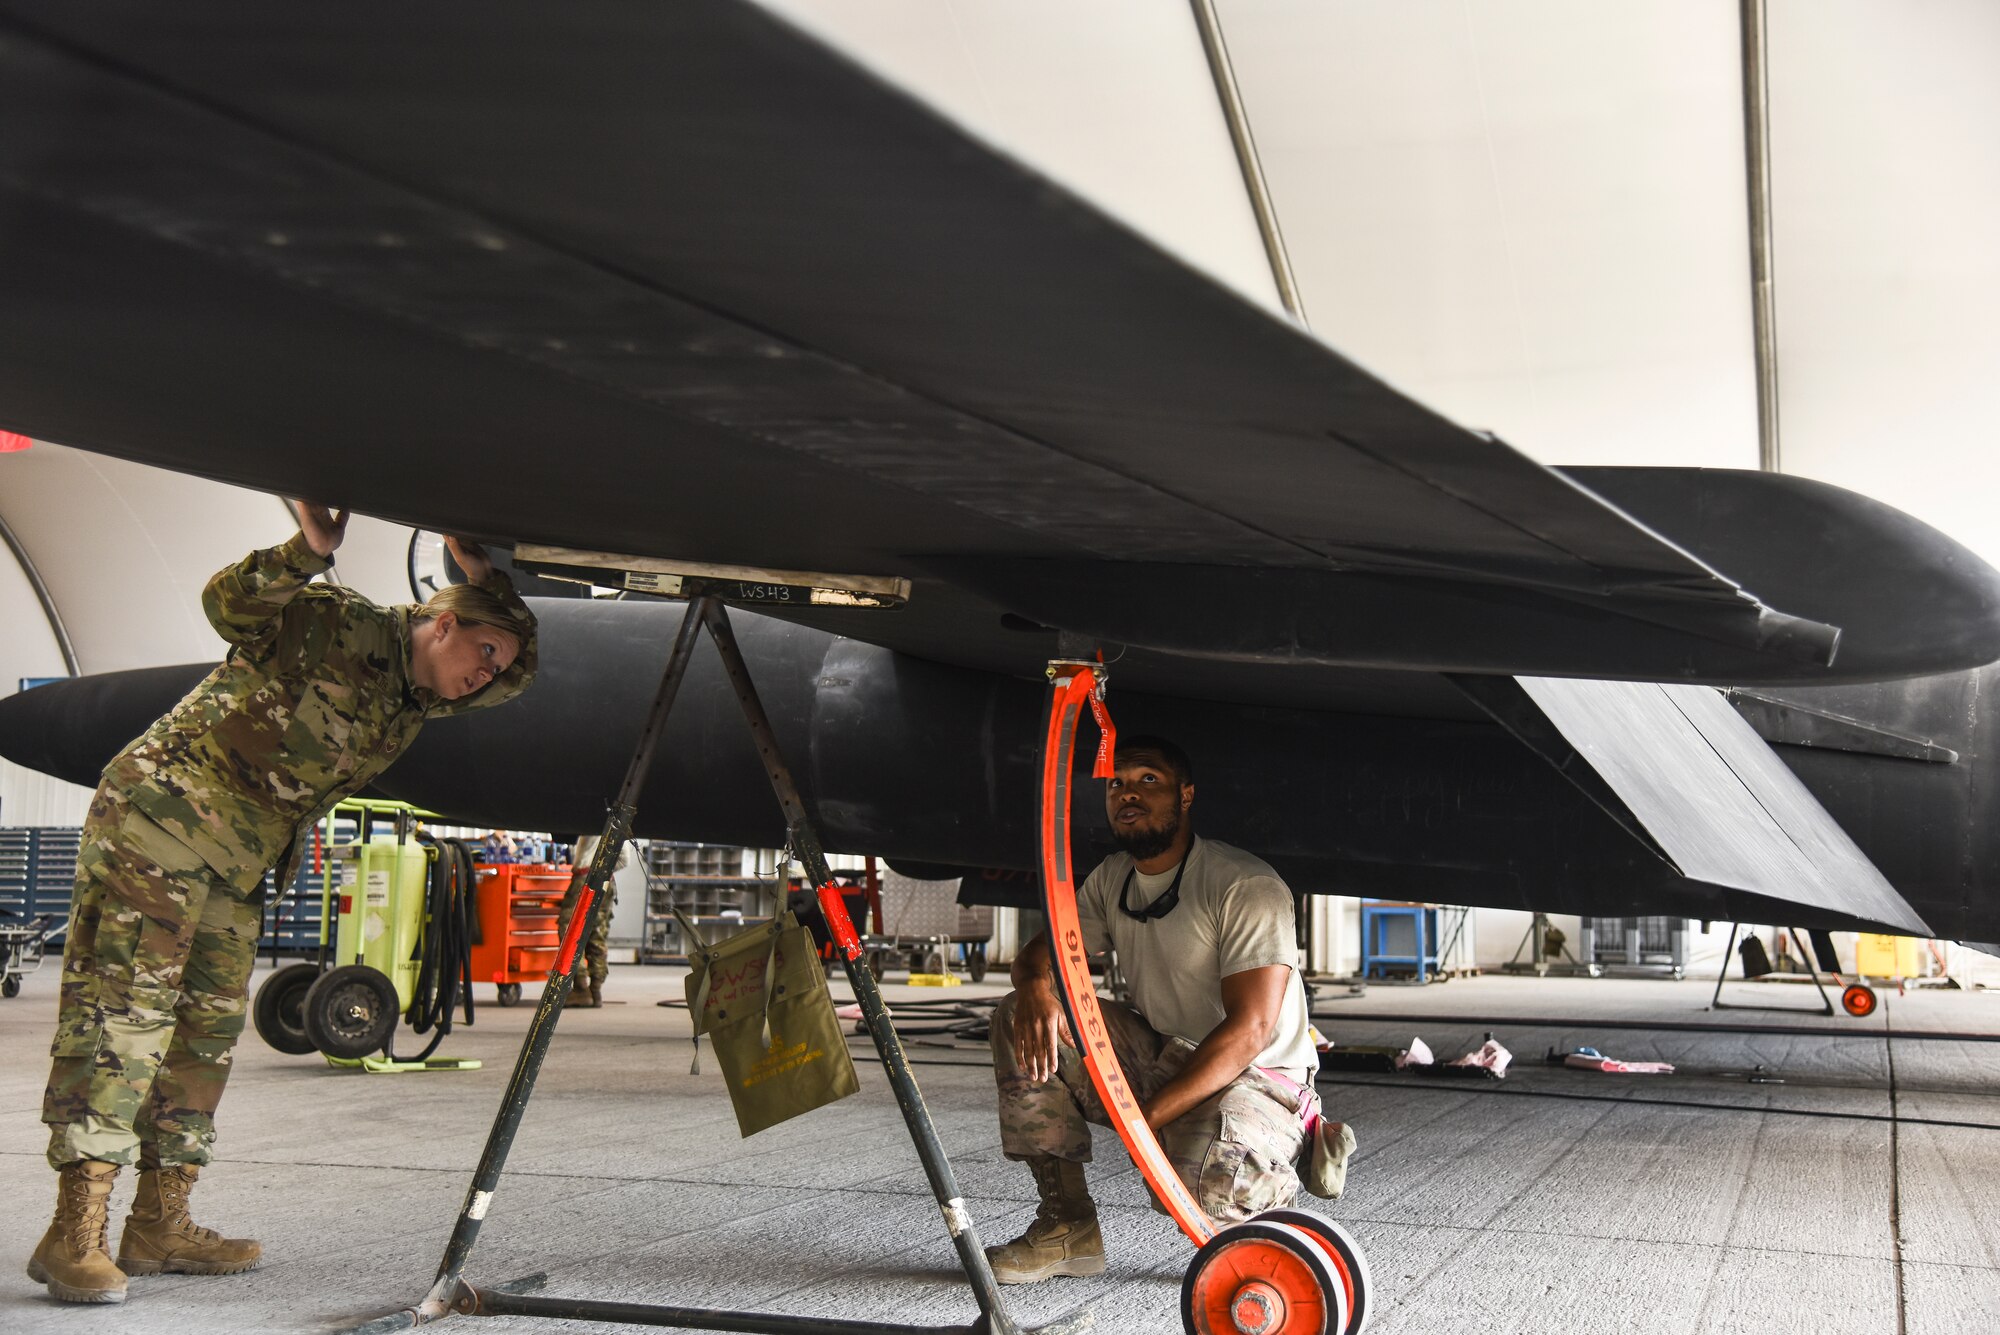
<point x="678" y="282"/>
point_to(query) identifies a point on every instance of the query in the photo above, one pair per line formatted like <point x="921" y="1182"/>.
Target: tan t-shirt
<point x="1234" y="914"/>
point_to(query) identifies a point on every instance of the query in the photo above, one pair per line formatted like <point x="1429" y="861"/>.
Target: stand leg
<point x="1716" y="1003"/>
<point x="1728" y="952"/>
<point x="1812" y="967"/>
<point x="805" y="844"/>
<point x="617" y="826"/>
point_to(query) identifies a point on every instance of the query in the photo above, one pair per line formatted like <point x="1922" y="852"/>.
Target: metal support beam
<point x="1757" y="163"/>
<point x="1231" y="98"/>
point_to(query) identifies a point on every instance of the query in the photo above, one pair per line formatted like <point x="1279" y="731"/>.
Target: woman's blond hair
<point x="474" y="606"/>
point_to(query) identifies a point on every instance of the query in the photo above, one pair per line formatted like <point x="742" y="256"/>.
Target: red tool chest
<point x="518" y="906"/>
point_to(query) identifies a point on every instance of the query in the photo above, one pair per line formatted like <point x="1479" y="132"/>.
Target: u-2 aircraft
<point x="682" y="283"/>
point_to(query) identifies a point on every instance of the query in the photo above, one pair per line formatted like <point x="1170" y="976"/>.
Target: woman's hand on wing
<point x="323" y="527"/>
<point x="471" y="558"/>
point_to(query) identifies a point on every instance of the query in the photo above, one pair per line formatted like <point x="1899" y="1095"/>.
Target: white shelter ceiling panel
<point x="1113" y="99"/>
<point x="1532" y="216"/>
<point x="29" y="647"/>
<point x="1885" y="128"/>
<point x="124" y="549"/>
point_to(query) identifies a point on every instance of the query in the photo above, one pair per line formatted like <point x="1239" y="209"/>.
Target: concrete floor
<point x="1554" y="1201"/>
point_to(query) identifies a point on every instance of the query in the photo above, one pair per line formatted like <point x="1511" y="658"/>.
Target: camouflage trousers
<point x="153" y="984"/>
<point x="1236" y="1150"/>
<point x="593" y="957"/>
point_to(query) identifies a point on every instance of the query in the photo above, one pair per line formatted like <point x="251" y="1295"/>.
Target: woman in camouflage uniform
<point x="321" y="691"/>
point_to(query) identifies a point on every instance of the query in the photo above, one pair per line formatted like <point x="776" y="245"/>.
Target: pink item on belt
<point x="1309" y="1109"/>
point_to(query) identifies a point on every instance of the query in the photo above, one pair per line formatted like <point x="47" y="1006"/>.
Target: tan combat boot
<point x="596" y="993"/>
<point x="1063" y="1238"/>
<point x="581" y="997"/>
<point x="74" y="1258"/>
<point x="159" y="1236"/>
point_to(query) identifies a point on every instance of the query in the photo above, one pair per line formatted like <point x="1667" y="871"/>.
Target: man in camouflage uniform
<point x="593" y="960"/>
<point x="321" y="691"/>
<point x="1216" y="1044"/>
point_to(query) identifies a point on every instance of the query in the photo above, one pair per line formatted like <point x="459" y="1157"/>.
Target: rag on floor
<point x="1590" y="1059"/>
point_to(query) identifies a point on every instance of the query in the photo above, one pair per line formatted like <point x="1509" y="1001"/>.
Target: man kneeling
<point x="1216" y="1043"/>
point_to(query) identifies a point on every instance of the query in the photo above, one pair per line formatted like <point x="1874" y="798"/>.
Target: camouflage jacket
<point x="314" y="700"/>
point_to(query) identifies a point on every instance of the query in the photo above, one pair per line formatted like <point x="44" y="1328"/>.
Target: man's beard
<point x="1144" y="845"/>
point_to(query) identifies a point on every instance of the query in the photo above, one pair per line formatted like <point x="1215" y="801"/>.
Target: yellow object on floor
<point x="933" y="980"/>
<point x="1882" y="956"/>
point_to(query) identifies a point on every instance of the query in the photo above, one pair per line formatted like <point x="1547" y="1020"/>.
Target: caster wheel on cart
<point x="351" y="1011"/>
<point x="510" y="994"/>
<point x="1263" y="1278"/>
<point x="10" y="986"/>
<point x="1858" y="1000"/>
<point x="975" y="963"/>
<point x="1348" y="1259"/>
<point x="279" y="1012"/>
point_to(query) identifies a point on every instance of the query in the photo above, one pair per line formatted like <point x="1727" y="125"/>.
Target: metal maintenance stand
<point x="1538" y="962"/>
<point x="452" y="1293"/>
<point x="1825" y="1007"/>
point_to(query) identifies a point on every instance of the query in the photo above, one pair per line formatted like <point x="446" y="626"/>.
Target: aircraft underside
<point x="790" y="316"/>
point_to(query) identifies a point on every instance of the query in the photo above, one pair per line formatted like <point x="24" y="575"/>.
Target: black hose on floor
<point x="444" y="948"/>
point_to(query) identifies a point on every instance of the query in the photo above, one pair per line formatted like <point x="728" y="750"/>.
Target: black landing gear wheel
<point x="510" y="994"/>
<point x="279" y="1012"/>
<point x="351" y="1011"/>
<point x="1265" y="1277"/>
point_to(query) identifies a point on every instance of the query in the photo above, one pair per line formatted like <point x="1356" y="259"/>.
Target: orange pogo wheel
<point x="1261" y="1278"/>
<point x="1350" y="1263"/>
<point x="1859" y="1000"/>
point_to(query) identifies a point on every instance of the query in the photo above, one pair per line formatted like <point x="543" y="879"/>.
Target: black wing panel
<point x="1684" y="774"/>
<point x="801" y="319"/>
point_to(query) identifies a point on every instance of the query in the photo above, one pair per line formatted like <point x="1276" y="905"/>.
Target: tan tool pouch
<point x="761" y="998"/>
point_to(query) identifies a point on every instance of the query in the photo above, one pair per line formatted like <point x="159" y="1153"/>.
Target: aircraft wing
<point x="679" y="281"/>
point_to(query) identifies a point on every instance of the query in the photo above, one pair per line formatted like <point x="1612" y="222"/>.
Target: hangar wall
<point x="1887" y="276"/>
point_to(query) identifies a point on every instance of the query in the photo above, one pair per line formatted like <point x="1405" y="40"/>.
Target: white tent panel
<point x="125" y="549"/>
<point x="1113" y="99"/>
<point x="1887" y="188"/>
<point x="28" y="648"/>
<point x="1532" y="216"/>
